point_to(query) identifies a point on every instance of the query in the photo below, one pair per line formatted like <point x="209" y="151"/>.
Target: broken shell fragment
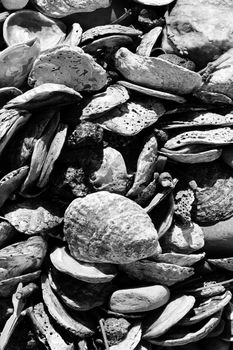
<point x="179" y="258"/>
<point x="132" y="117"/>
<point x="160" y="321"/>
<point x="109" y="45"/>
<point x="25" y="25"/>
<point x="156" y="73"/>
<point x="120" y="218"/>
<point x="139" y="299"/>
<point x="103" y="102"/>
<point x="87" y="272"/>
<point x="43" y="96"/>
<point x="79" y="295"/>
<point x="64" y="8"/>
<point x="60" y="315"/>
<point x="9" y="286"/>
<point x="131" y="340"/>
<point x="33" y="216"/>
<point x="192" y="158"/>
<point x="70" y="66"/>
<point x="148" y="41"/>
<point x="74" y="36"/>
<point x="16" y="62"/>
<point x="156" y="272"/>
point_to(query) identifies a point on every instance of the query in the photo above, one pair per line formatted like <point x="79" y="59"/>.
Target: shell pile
<point x="116" y="177"/>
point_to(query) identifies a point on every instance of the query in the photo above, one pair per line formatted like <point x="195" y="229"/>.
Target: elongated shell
<point x="16" y="62"/>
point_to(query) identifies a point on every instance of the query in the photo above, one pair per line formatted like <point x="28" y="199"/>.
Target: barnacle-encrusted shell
<point x="33" y="216"/>
<point x="119" y="232"/>
<point x="16" y="62"/>
<point x="132" y="117"/>
<point x="156" y="73"/>
<point x="24" y="25"/>
<point x="69" y="66"/>
<point x="63" y="8"/>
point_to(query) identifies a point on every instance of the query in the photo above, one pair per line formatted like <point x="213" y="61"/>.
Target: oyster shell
<point x="132" y="117"/>
<point x="33" y="216"/>
<point x="87" y="272"/>
<point x="160" y="321"/>
<point x="62" y="8"/>
<point x="69" y="66"/>
<point x="156" y="73"/>
<point x="103" y="102"/>
<point x="22" y="26"/>
<point x="139" y="299"/>
<point x="79" y="295"/>
<point x="16" y="62"/>
<point x="110" y="236"/>
<point x="43" y="96"/>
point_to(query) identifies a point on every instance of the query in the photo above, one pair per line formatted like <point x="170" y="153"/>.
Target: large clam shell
<point x="69" y="66"/>
<point x="110" y="235"/>
<point x="16" y="62"/>
<point x="22" y="26"/>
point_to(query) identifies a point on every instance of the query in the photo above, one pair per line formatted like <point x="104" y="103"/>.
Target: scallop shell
<point x="63" y="8"/>
<point x="132" y="117"/>
<point x="110" y="236"/>
<point x="16" y="62"/>
<point x="156" y="73"/>
<point x="43" y="96"/>
<point x="69" y="66"/>
<point x="87" y="272"/>
<point x="22" y="26"/>
<point x="151" y="271"/>
<point x="33" y="216"/>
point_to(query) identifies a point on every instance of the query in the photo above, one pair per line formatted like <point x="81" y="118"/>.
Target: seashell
<point x="148" y="41"/>
<point x="43" y="96"/>
<point x="12" y="5"/>
<point x="79" y="295"/>
<point x="75" y="35"/>
<point x="108" y="239"/>
<point x="9" y="286"/>
<point x="162" y="217"/>
<point x="7" y="233"/>
<point x="215" y="137"/>
<point x="146" y="193"/>
<point x="151" y="92"/>
<point x="45" y="332"/>
<point x="25" y="25"/>
<point x="103" y="102"/>
<point x="131" y="340"/>
<point x="193" y="158"/>
<point x="22" y="257"/>
<point x="75" y="326"/>
<point x="8" y="93"/>
<point x="52" y="155"/>
<point x="160" y="321"/>
<point x="116" y="329"/>
<point x="184" y="239"/>
<point x="145" y="165"/>
<point x="132" y="117"/>
<point x="10" y="182"/>
<point x="181" y="336"/>
<point x="179" y="258"/>
<point x="109" y="29"/>
<point x="10" y="122"/>
<point x="201" y="39"/>
<point x="109" y="45"/>
<point x="180" y="61"/>
<point x="70" y="66"/>
<point x="63" y="8"/>
<point x="112" y="174"/>
<point x="16" y="62"/>
<point x="151" y="271"/>
<point x="156" y="73"/>
<point x="154" y="2"/>
<point x="139" y="299"/>
<point x="39" y="154"/>
<point x="212" y="97"/>
<point x="206" y="308"/>
<point x="224" y="263"/>
<point x="86" y="272"/>
<point x="33" y="216"/>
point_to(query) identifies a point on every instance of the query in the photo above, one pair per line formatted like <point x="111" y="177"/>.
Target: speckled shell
<point x="33" y="216"/>
<point x="69" y="66"/>
<point x="156" y="73"/>
<point x="63" y="8"/>
<point x="119" y="232"/>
